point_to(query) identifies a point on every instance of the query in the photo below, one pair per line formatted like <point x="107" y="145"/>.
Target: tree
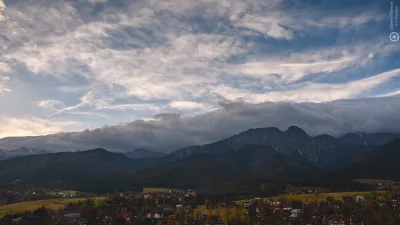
<point x="228" y="214"/>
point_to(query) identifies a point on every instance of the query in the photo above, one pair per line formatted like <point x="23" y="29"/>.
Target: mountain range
<point x="253" y="155"/>
<point x="323" y="151"/>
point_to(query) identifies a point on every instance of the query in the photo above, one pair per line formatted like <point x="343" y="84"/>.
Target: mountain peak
<point x="296" y="130"/>
<point x="96" y="150"/>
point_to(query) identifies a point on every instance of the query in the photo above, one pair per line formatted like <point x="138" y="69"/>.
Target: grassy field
<point x="394" y="184"/>
<point x="150" y="190"/>
<point x="317" y="197"/>
<point x="64" y="191"/>
<point x="53" y="204"/>
<point x="321" y="197"/>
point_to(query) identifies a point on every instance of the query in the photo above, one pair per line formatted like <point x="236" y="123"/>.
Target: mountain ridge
<point x="144" y="153"/>
<point x="322" y="150"/>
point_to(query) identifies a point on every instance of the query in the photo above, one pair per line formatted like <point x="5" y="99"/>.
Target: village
<point x="200" y="207"/>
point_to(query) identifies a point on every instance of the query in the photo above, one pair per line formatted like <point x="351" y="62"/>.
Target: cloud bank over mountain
<point x="167" y="132"/>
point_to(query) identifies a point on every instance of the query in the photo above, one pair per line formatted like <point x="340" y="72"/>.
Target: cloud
<point x="168" y="132"/>
<point x="394" y="93"/>
<point x="266" y="25"/>
<point x="2" y="8"/>
<point x="4" y="67"/>
<point x="3" y="80"/>
<point x="52" y="105"/>
<point x="154" y="51"/>
<point x="186" y="105"/>
<point x="34" y="126"/>
<point x="95" y="103"/>
<point x="312" y="92"/>
<point x="97" y="1"/>
<point x="167" y="116"/>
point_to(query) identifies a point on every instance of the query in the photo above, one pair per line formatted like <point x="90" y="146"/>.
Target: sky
<point x="122" y="69"/>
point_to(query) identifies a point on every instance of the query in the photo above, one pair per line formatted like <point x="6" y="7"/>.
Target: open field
<point x="322" y="196"/>
<point x="64" y="192"/>
<point x="317" y="197"/>
<point x="150" y="190"/>
<point x="375" y="181"/>
<point x="53" y="204"/>
<point x="394" y="184"/>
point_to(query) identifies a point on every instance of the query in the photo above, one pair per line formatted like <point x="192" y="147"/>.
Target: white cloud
<point x="296" y="71"/>
<point x="4" y="67"/>
<point x="170" y="61"/>
<point x="95" y="103"/>
<point x="341" y="22"/>
<point x="394" y="93"/>
<point x="186" y="105"/>
<point x="311" y="92"/>
<point x="2" y="8"/>
<point x="3" y="89"/>
<point x="3" y="80"/>
<point x="267" y="25"/>
<point x="33" y="126"/>
<point x="52" y="105"/>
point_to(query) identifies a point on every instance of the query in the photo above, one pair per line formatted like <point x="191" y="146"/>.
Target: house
<point x="168" y="209"/>
<point x="296" y="211"/>
<point x="126" y="215"/>
<point x="16" y="220"/>
<point x="73" y="215"/>
<point x="360" y="198"/>
<point x="247" y="204"/>
<point x="154" y="215"/>
<point x="336" y="220"/>
<point x="275" y="203"/>
<point x="382" y="204"/>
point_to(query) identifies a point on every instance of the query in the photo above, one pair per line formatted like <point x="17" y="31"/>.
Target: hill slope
<point x="144" y="153"/>
<point x="67" y="169"/>
<point x="203" y="170"/>
<point x="100" y="170"/>
<point x="381" y="163"/>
